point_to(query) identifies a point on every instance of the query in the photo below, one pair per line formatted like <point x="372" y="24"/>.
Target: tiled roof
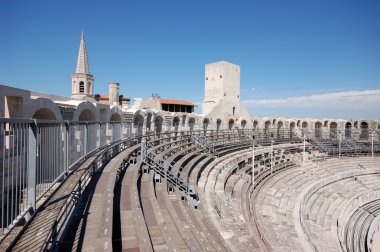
<point x="177" y="102"/>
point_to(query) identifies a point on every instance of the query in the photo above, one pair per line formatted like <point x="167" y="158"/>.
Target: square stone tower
<point x="222" y="82"/>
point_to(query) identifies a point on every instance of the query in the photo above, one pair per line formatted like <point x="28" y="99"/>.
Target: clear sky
<point x="290" y="52"/>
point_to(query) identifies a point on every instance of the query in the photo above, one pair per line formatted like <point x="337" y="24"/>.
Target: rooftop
<point x="177" y="102"/>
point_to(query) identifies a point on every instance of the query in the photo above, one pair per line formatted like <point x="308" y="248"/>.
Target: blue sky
<point x="286" y="49"/>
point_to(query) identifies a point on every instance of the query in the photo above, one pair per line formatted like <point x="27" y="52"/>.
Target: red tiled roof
<point x="177" y="102"/>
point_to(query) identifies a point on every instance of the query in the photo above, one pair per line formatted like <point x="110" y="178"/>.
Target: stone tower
<point x="82" y="81"/>
<point x="222" y="83"/>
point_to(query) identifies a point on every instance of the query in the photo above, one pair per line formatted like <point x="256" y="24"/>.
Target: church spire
<point x="82" y="64"/>
<point x="82" y="82"/>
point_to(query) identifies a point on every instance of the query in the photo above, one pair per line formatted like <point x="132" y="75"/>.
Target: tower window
<point x="233" y="111"/>
<point x="220" y="76"/>
<point x="206" y="78"/>
<point x="81" y="87"/>
<point x="225" y="94"/>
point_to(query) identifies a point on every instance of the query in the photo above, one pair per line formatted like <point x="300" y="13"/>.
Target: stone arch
<point x="231" y="124"/>
<point x="318" y="129"/>
<point x="292" y="127"/>
<point x="115" y="115"/>
<point x="280" y="129"/>
<point x="218" y="123"/>
<point x="243" y="123"/>
<point x="44" y="114"/>
<point x="364" y="134"/>
<point x="267" y="128"/>
<point x="86" y="115"/>
<point x="138" y="122"/>
<point x="333" y="130"/>
<point x="191" y="123"/>
<point x="347" y="130"/>
<point x="206" y="122"/>
<point x="304" y="125"/>
<point x="175" y="122"/>
<point x="44" y="108"/>
<point x="86" y="111"/>
<point x="138" y="119"/>
<point x="255" y="123"/>
<point x="158" y="121"/>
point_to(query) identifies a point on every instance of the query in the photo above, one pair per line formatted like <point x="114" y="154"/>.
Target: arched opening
<point x="255" y="123"/>
<point x="364" y="130"/>
<point x="243" y="124"/>
<point x="86" y="115"/>
<point x="292" y="126"/>
<point x="158" y="124"/>
<point x="230" y="124"/>
<point x="138" y="123"/>
<point x="298" y="123"/>
<point x="267" y="129"/>
<point x="333" y="130"/>
<point x="304" y="125"/>
<point x="218" y="124"/>
<point x="44" y="114"/>
<point x="81" y="87"/>
<point x="176" y="123"/>
<point x="115" y="117"/>
<point x="206" y="122"/>
<point x="191" y="123"/>
<point x="318" y="130"/>
<point x="233" y="111"/>
<point x="347" y="130"/>
<point x="280" y="129"/>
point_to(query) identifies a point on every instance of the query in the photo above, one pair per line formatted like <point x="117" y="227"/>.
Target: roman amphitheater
<point x="95" y="172"/>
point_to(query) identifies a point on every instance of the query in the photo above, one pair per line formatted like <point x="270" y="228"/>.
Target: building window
<point x="224" y="94"/>
<point x="220" y="76"/>
<point x="81" y="87"/>
<point x="238" y="96"/>
<point x="233" y="111"/>
<point x="206" y="78"/>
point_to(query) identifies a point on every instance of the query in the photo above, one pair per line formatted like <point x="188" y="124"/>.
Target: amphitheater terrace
<point x="93" y="172"/>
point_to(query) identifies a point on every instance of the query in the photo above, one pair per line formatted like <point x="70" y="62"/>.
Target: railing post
<point x="143" y="149"/>
<point x="98" y="144"/>
<point x="304" y="148"/>
<point x="31" y="165"/>
<point x="66" y="130"/>
<point x="253" y="162"/>
<point x="271" y="156"/>
<point x="372" y="143"/>
<point x="85" y="139"/>
<point x="340" y="143"/>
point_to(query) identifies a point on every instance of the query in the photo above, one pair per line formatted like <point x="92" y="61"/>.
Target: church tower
<point x="82" y="81"/>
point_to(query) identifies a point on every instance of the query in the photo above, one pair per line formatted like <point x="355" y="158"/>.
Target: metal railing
<point x="35" y="155"/>
<point x="204" y="144"/>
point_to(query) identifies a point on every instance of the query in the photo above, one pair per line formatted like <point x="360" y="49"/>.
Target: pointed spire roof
<point x="82" y="64"/>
